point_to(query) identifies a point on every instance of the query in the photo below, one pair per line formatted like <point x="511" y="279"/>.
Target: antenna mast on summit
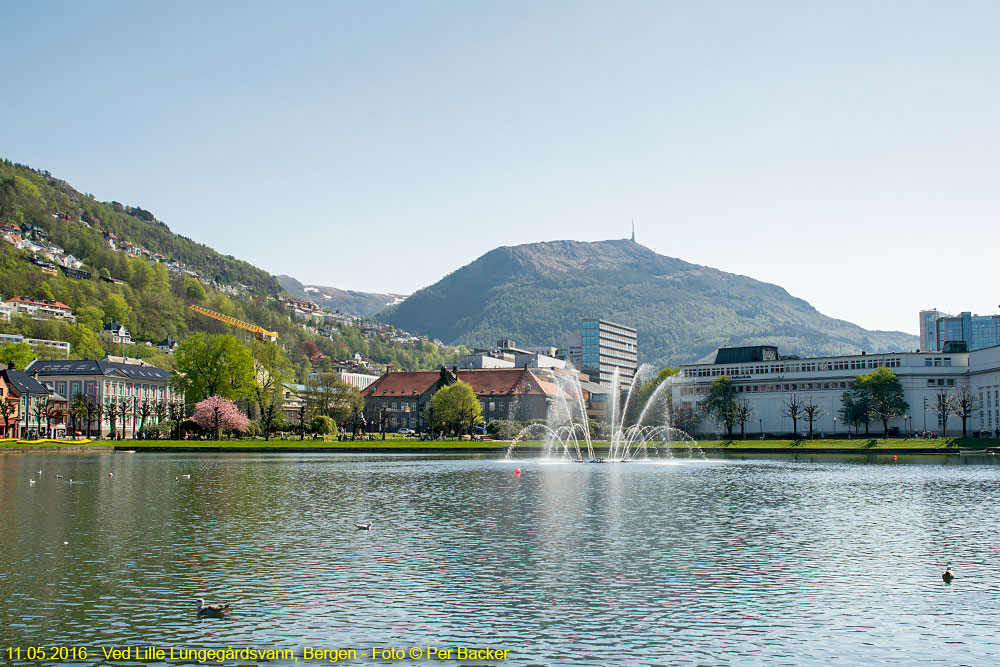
<point x="633" y="230"/>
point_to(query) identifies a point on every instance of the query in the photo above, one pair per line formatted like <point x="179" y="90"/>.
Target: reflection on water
<point x="750" y="560"/>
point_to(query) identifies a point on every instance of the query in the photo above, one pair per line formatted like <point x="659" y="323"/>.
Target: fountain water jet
<point x="567" y="433"/>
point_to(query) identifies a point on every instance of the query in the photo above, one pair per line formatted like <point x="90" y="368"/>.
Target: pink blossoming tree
<point x="219" y="414"/>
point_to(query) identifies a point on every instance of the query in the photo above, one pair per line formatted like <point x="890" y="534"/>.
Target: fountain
<point x="567" y="432"/>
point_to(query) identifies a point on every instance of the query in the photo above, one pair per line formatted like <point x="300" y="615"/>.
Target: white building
<point x="116" y="334"/>
<point x="5" y="311"/>
<point x="61" y="345"/>
<point x="769" y="384"/>
<point x="357" y="380"/>
<point x="505" y="354"/>
<point x="41" y="308"/>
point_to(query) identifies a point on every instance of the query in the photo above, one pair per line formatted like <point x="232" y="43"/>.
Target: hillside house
<point x="42" y="308"/>
<point x="116" y="334"/>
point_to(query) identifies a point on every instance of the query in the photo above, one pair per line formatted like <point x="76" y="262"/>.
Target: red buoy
<point x="517" y="471"/>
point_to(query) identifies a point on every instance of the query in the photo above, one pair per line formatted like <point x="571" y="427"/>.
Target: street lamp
<point x="760" y="420"/>
<point x="834" y="427"/>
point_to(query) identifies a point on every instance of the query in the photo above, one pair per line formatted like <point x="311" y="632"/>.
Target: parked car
<point x="406" y="431"/>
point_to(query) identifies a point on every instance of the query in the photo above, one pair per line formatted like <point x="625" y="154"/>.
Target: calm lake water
<point x="763" y="561"/>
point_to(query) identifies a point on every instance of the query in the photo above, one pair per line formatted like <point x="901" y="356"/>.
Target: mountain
<point x="361" y="304"/>
<point x="538" y="293"/>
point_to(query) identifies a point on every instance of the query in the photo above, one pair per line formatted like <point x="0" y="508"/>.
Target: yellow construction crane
<point x="260" y="332"/>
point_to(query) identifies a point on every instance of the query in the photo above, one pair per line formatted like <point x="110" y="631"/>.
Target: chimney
<point x="10" y="365"/>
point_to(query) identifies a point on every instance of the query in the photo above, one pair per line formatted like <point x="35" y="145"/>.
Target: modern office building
<point x="606" y="347"/>
<point x="769" y="384"/>
<point x="976" y="331"/>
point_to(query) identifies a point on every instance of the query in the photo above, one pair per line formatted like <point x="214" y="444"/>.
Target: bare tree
<point x="813" y="411"/>
<point x="8" y="409"/>
<point x="90" y="408"/>
<point x="38" y="411"/>
<point x="99" y="416"/>
<point x="744" y="413"/>
<point x="965" y="405"/>
<point x="944" y="405"/>
<point x="112" y="408"/>
<point x="794" y="409"/>
<point x="124" y="411"/>
<point x="176" y="409"/>
<point x="145" y="411"/>
<point x="685" y="418"/>
<point x="51" y="413"/>
<point x="160" y="411"/>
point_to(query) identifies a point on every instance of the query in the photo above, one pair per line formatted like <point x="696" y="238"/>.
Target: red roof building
<point x="504" y="393"/>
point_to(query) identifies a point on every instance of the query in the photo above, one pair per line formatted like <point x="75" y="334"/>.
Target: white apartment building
<point x="41" y="308"/>
<point x="61" y="345"/>
<point x="768" y="385"/>
<point x="359" y="381"/>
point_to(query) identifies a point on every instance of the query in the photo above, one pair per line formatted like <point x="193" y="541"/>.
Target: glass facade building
<point x="977" y="331"/>
<point x="605" y="347"/>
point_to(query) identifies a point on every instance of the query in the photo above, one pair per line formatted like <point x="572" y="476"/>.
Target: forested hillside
<point x="146" y="297"/>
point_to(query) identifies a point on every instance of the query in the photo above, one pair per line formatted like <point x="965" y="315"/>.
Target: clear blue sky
<point x="846" y="151"/>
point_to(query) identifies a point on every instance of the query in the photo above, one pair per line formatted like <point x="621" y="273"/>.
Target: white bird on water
<point x="210" y="609"/>
<point x="31" y="482"/>
<point x="363" y="526"/>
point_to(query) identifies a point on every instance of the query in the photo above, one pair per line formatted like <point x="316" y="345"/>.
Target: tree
<point x="456" y="406"/>
<point x="145" y="411"/>
<point x="124" y="412"/>
<point x="112" y="407"/>
<point x="51" y="413"/>
<point x="944" y="405"/>
<point x="794" y="409"/>
<point x="885" y="395"/>
<point x="721" y="404"/>
<point x="219" y="414"/>
<point x="38" y="413"/>
<point x="77" y="410"/>
<point x="813" y="411"/>
<point x="19" y="353"/>
<point x="685" y="418"/>
<point x="744" y="413"/>
<point x="965" y="407"/>
<point x="218" y="365"/>
<point x="445" y="379"/>
<point x="322" y="424"/>
<point x="89" y="409"/>
<point x="649" y="404"/>
<point x="116" y="309"/>
<point x="326" y="394"/>
<point x="854" y="408"/>
<point x="8" y="410"/>
<point x="271" y="370"/>
<point x="91" y="317"/>
<point x="99" y="417"/>
<point x="176" y="409"/>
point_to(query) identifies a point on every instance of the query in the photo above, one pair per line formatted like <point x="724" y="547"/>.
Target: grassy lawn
<point x="853" y="443"/>
<point x="402" y="444"/>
